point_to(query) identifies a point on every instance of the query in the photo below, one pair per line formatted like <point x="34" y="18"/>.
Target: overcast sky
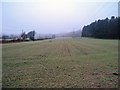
<point x="53" y="16"/>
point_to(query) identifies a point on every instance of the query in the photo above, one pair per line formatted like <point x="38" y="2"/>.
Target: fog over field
<point x="59" y="44"/>
<point x="54" y="16"/>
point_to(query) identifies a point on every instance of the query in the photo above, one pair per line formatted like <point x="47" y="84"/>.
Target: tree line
<point x="104" y="29"/>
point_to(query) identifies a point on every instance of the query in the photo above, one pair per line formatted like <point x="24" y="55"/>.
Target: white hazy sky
<point x="53" y="16"/>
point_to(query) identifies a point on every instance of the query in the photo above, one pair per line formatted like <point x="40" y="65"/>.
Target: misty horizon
<point x="53" y="17"/>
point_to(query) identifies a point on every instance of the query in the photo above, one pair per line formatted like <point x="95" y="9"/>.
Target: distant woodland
<point x="104" y="29"/>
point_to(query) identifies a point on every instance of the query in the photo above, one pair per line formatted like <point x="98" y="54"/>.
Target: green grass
<point x="64" y="62"/>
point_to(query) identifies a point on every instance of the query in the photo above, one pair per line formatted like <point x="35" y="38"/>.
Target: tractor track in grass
<point x="79" y="49"/>
<point x="67" y="49"/>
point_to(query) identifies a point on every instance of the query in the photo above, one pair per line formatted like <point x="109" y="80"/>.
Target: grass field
<point x="61" y="63"/>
